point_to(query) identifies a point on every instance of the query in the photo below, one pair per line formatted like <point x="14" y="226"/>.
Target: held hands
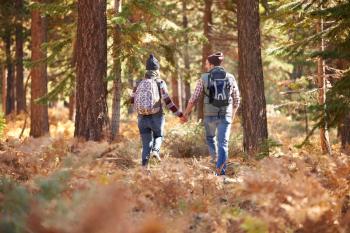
<point x="184" y="118"/>
<point x="186" y="113"/>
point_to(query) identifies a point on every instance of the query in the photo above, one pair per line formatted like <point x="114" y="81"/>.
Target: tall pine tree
<point x="91" y="88"/>
<point x="251" y="79"/>
<point x="39" y="120"/>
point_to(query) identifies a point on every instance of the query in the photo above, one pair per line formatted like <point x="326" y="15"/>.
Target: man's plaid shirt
<point x="198" y="91"/>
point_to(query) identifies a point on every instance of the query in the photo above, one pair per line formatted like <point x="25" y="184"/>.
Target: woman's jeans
<point x="221" y="124"/>
<point x="151" y="130"/>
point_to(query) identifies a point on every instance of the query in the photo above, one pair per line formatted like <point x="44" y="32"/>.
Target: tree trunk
<point x="39" y="120"/>
<point x="344" y="133"/>
<point x="321" y="82"/>
<point x="91" y="86"/>
<point x="10" y="89"/>
<point x="207" y="48"/>
<point x="3" y="87"/>
<point x="344" y="123"/>
<point x="71" y="105"/>
<point x="131" y="86"/>
<point x="20" y="95"/>
<point x="175" y="84"/>
<point x="117" y="84"/>
<point x="251" y="79"/>
<point x="187" y="79"/>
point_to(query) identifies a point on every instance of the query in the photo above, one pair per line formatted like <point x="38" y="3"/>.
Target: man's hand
<point x="183" y="119"/>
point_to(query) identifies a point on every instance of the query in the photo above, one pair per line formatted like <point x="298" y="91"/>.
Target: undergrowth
<point x="58" y="185"/>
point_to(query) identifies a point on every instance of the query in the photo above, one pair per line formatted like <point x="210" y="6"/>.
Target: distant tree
<point x="10" y="80"/>
<point x="6" y="34"/>
<point x="332" y="108"/>
<point x="3" y="86"/>
<point x="91" y="88"/>
<point x="321" y="83"/>
<point x="175" y="81"/>
<point x="251" y="79"/>
<point x="20" y="95"/>
<point x="117" y="82"/>
<point x="207" y="47"/>
<point x="186" y="56"/>
<point x="39" y="120"/>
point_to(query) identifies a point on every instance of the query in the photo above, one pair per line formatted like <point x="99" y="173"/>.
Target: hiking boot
<point x="156" y="155"/>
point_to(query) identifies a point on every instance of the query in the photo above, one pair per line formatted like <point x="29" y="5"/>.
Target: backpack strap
<point x="159" y="81"/>
<point x="207" y="92"/>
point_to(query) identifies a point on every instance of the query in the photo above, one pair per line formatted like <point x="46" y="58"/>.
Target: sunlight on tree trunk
<point x="71" y="105"/>
<point x="3" y="87"/>
<point x="251" y="79"/>
<point x="130" y="83"/>
<point x="175" y="84"/>
<point x="187" y="78"/>
<point x="91" y="85"/>
<point x="39" y="120"/>
<point x="117" y="83"/>
<point x="321" y="82"/>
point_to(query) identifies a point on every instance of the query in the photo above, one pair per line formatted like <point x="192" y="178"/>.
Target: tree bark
<point x="207" y="47"/>
<point x="175" y="84"/>
<point x="39" y="120"/>
<point x="187" y="79"/>
<point x="251" y="79"/>
<point x="10" y="82"/>
<point x="117" y="84"/>
<point x="344" y="133"/>
<point x="71" y="106"/>
<point x="3" y="88"/>
<point x="91" y="86"/>
<point x="131" y="84"/>
<point x="321" y="82"/>
<point x="20" y="95"/>
<point x="344" y="123"/>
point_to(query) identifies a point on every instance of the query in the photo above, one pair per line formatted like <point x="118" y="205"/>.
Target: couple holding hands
<point x="221" y="101"/>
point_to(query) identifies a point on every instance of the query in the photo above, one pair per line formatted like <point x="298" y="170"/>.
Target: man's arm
<point x="198" y="91"/>
<point x="236" y="99"/>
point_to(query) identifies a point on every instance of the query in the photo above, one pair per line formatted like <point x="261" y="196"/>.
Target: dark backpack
<point x="219" y="88"/>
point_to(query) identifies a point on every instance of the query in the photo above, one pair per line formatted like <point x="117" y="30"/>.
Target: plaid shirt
<point x="198" y="91"/>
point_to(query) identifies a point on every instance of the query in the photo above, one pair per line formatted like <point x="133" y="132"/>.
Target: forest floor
<point x="60" y="185"/>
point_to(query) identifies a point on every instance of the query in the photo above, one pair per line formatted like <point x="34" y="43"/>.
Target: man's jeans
<point x="223" y="125"/>
<point x="151" y="130"/>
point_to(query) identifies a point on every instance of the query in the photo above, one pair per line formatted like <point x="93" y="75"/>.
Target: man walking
<point x="221" y="101"/>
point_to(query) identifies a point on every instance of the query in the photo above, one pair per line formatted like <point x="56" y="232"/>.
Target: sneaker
<point x="156" y="155"/>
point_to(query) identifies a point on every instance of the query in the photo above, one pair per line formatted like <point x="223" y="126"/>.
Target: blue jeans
<point x="151" y="130"/>
<point x="221" y="124"/>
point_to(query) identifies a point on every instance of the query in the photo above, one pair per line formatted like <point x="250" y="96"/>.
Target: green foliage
<point x="53" y="186"/>
<point x="14" y="206"/>
<point x="298" y="20"/>
<point x="17" y="199"/>
<point x="187" y="140"/>
<point x="267" y="147"/>
<point x="254" y="225"/>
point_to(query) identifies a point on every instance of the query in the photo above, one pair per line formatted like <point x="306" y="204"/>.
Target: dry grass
<point x="75" y="187"/>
